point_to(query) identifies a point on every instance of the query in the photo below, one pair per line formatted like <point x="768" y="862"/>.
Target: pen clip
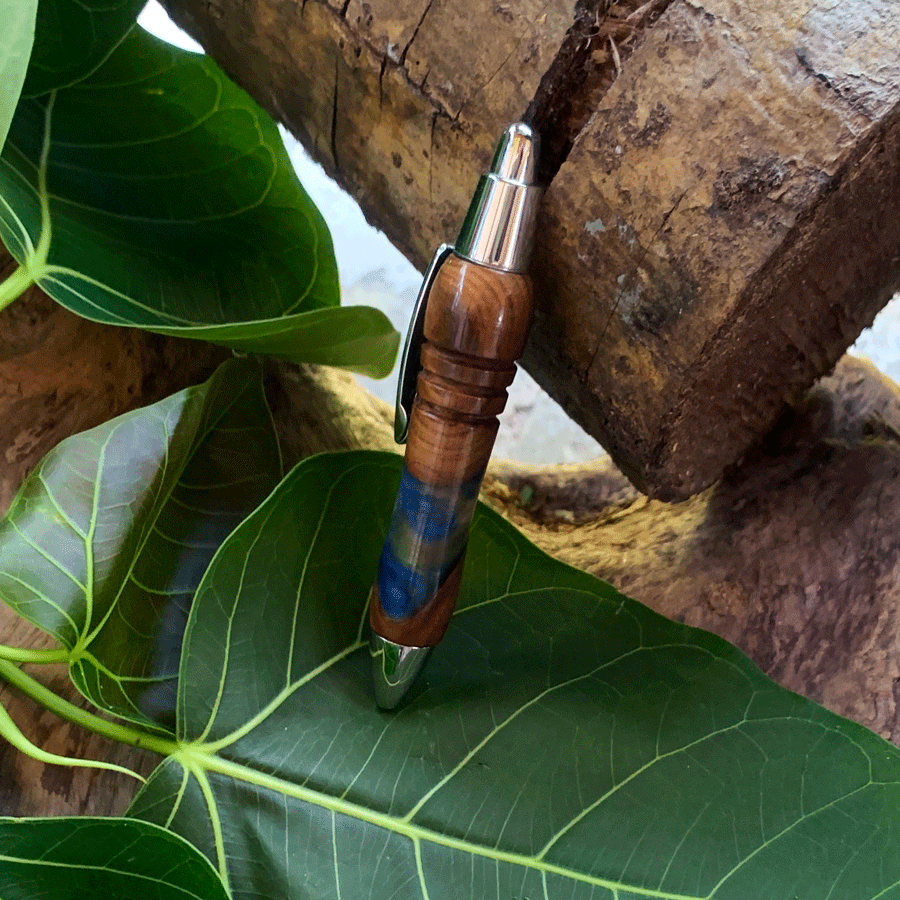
<point x="412" y="347"/>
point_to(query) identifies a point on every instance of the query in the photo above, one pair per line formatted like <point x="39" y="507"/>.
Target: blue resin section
<point x="427" y="536"/>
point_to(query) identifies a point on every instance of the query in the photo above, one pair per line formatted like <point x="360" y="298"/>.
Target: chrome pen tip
<point x="515" y="158"/>
<point x="394" y="669"/>
<point x="498" y="229"/>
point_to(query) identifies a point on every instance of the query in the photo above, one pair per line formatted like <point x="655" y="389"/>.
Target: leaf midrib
<point x="193" y="758"/>
<point x="201" y="757"/>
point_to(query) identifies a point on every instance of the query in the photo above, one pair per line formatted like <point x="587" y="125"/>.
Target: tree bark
<point x="61" y="374"/>
<point x="720" y="221"/>
<point x="30" y="788"/>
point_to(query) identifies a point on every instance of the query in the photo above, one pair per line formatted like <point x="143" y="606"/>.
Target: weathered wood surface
<point x="723" y="178"/>
<point x="60" y="374"/>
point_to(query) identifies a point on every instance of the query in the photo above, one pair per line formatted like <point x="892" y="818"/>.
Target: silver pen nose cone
<point x="515" y="158"/>
<point x="498" y="230"/>
<point x="394" y="669"/>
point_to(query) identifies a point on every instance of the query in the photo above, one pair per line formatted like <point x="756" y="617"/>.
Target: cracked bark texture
<point x="720" y="221"/>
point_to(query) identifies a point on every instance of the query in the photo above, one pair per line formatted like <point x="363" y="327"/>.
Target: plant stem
<point x="11" y="732"/>
<point x="31" y="655"/>
<point x="15" y="285"/>
<point x="116" y="731"/>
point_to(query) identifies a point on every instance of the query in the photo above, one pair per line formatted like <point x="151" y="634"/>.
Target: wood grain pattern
<point x="730" y="225"/>
<point x="479" y="312"/>
<point x="476" y="326"/>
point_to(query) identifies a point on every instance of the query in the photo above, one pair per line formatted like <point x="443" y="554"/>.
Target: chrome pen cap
<point x="498" y="230"/>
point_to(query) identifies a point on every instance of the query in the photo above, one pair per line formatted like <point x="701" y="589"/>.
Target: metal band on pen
<point x="499" y="227"/>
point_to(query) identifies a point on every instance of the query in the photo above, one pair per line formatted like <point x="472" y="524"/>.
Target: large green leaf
<point x="18" y="17"/>
<point x="113" y="859"/>
<point x="74" y="37"/>
<point x="106" y="541"/>
<point x="156" y="193"/>
<point x="564" y="741"/>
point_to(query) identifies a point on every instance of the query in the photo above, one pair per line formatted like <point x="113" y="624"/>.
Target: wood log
<point x="720" y="221"/>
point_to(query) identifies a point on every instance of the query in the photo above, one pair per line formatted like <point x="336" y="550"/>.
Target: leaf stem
<point x="215" y="819"/>
<point x="15" y="285"/>
<point x="32" y="655"/>
<point x="11" y="732"/>
<point x="71" y="713"/>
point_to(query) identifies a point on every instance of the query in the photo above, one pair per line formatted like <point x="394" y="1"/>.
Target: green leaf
<point x="155" y="193"/>
<point x="563" y="741"/>
<point x="18" y="37"/>
<point x="113" y="859"/>
<point x="107" y="540"/>
<point x="74" y="37"/>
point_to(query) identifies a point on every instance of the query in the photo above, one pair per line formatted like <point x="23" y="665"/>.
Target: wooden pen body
<point x="476" y="325"/>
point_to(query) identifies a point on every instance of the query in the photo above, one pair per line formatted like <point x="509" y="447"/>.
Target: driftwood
<point x="723" y="178"/>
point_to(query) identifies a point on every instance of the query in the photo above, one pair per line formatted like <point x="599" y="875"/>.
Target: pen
<point x="469" y="326"/>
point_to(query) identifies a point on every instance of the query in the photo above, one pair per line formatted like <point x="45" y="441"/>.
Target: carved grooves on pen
<point x="602" y="37"/>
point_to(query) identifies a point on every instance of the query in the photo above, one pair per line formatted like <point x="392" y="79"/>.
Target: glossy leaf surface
<point x="113" y="859"/>
<point x="74" y="37"/>
<point x="18" y="18"/>
<point x="107" y="540"/>
<point x="563" y="742"/>
<point x="156" y="193"/>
